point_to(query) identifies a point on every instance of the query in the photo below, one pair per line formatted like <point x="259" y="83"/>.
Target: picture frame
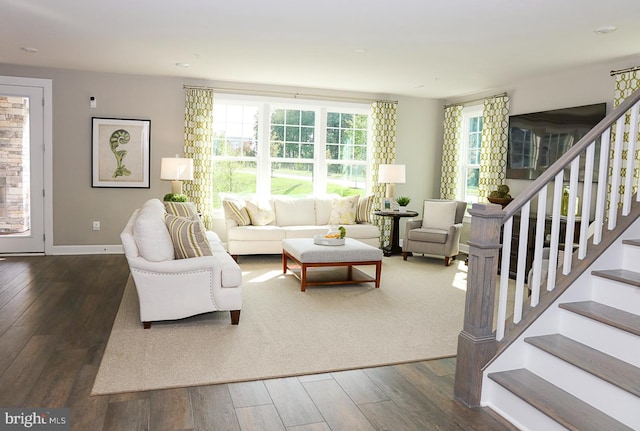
<point x="120" y="152"/>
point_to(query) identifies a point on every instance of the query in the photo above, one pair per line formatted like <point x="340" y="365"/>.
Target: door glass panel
<point x="15" y="199"/>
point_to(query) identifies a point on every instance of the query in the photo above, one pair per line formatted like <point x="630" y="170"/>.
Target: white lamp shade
<point x="393" y="174"/>
<point x="176" y="169"/>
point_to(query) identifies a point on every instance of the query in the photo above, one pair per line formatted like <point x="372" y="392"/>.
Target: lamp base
<point x="391" y="190"/>
<point x="176" y="187"/>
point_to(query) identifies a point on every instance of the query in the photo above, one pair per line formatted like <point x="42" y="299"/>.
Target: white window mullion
<point x="263" y="168"/>
<point x="320" y="152"/>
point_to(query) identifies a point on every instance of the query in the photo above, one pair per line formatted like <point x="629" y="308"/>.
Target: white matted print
<point x="120" y="152"/>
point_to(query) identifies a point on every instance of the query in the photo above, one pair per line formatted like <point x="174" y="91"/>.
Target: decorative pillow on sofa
<point x="439" y="214"/>
<point x="150" y="233"/>
<point x="260" y="212"/>
<point x="189" y="240"/>
<point x="365" y="207"/>
<point x="343" y="210"/>
<point x="236" y="211"/>
<point x="182" y="209"/>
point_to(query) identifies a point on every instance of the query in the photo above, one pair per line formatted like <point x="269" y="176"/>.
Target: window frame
<point x="263" y="159"/>
<point x="468" y="112"/>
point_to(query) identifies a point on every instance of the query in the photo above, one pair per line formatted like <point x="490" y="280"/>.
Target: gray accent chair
<point x="442" y="240"/>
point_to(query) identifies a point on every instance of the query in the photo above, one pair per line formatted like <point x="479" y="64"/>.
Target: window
<point x="235" y="144"/>
<point x="289" y="148"/>
<point x="470" y="159"/>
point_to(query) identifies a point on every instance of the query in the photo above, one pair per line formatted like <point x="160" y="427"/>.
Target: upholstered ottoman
<point x="306" y="254"/>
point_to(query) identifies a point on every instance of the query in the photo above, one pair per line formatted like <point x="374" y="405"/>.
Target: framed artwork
<point x="120" y="152"/>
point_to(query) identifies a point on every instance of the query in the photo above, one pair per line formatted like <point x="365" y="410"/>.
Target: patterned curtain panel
<point x="451" y="152"/>
<point x="198" y="145"/>
<point x="493" y="153"/>
<point x="626" y="84"/>
<point x="384" y="119"/>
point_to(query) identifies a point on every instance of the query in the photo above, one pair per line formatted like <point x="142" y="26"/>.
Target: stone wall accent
<point x="14" y="165"/>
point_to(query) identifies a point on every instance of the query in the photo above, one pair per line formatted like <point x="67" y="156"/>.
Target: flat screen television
<point x="538" y="139"/>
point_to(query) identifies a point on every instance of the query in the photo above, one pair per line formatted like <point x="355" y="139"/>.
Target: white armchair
<point x="438" y="233"/>
<point x="170" y="288"/>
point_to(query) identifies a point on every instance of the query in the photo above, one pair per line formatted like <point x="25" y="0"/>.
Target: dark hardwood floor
<point x="56" y="314"/>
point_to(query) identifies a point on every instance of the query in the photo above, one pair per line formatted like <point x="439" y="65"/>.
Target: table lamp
<point x="391" y="175"/>
<point x="176" y="169"/>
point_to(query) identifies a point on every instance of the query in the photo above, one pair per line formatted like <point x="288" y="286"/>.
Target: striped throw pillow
<point x="236" y="211"/>
<point x="365" y="208"/>
<point x="189" y="240"/>
<point x="182" y="209"/>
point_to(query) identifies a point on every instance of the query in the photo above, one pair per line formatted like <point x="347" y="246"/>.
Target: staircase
<point x="561" y="351"/>
<point x="578" y="366"/>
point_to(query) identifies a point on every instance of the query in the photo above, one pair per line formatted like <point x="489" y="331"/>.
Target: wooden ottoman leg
<point x="378" y="273"/>
<point x="303" y="277"/>
<point x="284" y="262"/>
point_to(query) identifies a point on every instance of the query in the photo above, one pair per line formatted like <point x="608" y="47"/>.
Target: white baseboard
<point x="86" y="249"/>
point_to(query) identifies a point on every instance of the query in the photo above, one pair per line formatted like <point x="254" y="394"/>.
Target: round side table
<point x="394" y="241"/>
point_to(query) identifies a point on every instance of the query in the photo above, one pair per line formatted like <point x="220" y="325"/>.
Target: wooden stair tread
<point x="635" y="242"/>
<point x="606" y="367"/>
<point x="621" y="275"/>
<point x="603" y="313"/>
<point x="559" y="405"/>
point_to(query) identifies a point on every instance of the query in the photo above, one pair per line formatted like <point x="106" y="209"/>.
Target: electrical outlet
<point x="96" y="225"/>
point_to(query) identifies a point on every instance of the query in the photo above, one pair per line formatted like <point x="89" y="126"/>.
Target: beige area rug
<point x="416" y="314"/>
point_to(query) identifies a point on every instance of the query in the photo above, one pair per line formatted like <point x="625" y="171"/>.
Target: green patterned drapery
<point x="198" y="145"/>
<point x="451" y="152"/>
<point x="493" y="153"/>
<point x="384" y="121"/>
<point x="626" y="83"/>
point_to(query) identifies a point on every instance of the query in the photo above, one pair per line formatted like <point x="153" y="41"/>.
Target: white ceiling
<point x="423" y="48"/>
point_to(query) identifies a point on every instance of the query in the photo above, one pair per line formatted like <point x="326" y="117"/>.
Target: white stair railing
<point x="478" y="341"/>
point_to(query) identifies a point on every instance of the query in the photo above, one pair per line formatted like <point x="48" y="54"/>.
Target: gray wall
<point x="161" y="99"/>
<point x="580" y="86"/>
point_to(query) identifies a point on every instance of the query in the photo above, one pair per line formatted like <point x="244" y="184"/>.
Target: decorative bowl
<point x="500" y="201"/>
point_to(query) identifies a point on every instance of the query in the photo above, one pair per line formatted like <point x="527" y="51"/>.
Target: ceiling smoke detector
<point x="605" y="29"/>
<point x="29" y="50"/>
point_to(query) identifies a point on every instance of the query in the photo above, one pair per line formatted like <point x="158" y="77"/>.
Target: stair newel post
<point x="477" y="342"/>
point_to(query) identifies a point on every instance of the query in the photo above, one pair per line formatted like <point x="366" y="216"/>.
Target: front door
<point x="21" y="169"/>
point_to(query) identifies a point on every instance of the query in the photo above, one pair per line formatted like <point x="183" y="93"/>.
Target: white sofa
<point x="170" y="288"/>
<point x="291" y="218"/>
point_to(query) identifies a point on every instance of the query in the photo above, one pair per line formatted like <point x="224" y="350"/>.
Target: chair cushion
<point x="151" y="234"/>
<point x="365" y="207"/>
<point x="343" y="210"/>
<point x="439" y="214"/>
<point x="236" y="210"/>
<point x="261" y="212"/>
<point x="437" y="236"/>
<point x="189" y="240"/>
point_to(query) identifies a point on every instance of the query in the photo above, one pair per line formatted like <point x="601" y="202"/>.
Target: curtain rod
<point x="628" y="69"/>
<point x="503" y="94"/>
<point x="284" y="94"/>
